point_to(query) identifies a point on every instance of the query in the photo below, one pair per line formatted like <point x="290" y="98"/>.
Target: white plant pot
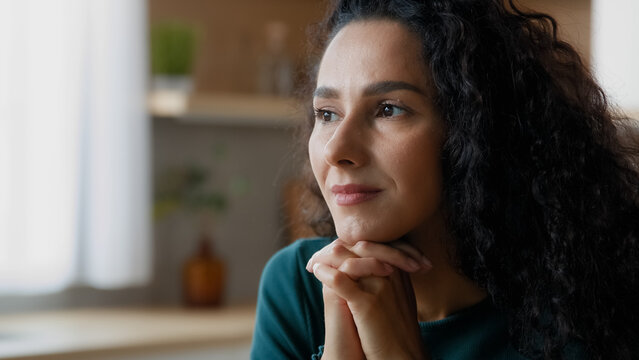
<point x="169" y="95"/>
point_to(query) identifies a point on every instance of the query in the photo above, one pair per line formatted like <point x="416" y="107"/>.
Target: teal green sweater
<point x="290" y="317"/>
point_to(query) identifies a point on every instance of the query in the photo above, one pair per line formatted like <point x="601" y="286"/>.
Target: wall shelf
<point x="239" y="110"/>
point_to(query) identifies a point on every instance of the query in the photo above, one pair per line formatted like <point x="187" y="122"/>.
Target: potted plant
<point x="186" y="189"/>
<point x="172" y="52"/>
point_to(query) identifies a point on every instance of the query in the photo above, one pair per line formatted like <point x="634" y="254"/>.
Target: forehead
<point x="370" y="51"/>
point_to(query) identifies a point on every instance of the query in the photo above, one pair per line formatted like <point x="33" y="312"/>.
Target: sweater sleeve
<point x="289" y="321"/>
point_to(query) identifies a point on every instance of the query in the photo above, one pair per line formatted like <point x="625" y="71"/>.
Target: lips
<point x="352" y="194"/>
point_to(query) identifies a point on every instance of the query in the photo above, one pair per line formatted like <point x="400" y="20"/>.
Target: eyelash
<point x="382" y="106"/>
<point x="319" y="113"/>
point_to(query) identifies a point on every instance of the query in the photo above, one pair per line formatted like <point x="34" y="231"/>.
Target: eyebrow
<point x="377" y="88"/>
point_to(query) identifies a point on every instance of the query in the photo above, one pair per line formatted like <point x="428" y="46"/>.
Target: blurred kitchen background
<point x="148" y="164"/>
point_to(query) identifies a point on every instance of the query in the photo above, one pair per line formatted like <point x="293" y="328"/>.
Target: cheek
<point x="418" y="174"/>
<point x="315" y="154"/>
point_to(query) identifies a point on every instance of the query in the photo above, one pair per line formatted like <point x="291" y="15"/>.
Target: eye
<point x="325" y="115"/>
<point x="389" y="110"/>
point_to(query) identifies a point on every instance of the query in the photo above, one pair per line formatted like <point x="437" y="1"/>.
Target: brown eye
<point x="325" y="115"/>
<point x="388" y="110"/>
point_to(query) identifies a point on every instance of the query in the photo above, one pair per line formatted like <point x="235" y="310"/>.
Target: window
<point x="74" y="145"/>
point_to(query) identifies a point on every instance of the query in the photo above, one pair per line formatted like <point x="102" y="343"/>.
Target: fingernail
<point x="413" y="265"/>
<point x="426" y="262"/>
<point x="308" y="265"/>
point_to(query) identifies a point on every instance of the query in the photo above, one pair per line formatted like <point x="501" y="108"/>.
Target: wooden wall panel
<point x="232" y="32"/>
<point x="232" y="35"/>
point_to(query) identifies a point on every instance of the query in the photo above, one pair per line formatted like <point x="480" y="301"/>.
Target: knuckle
<point x="377" y="263"/>
<point x="338" y="280"/>
<point x="376" y="287"/>
<point x="362" y="246"/>
<point x="337" y="249"/>
<point x="348" y="265"/>
<point x="317" y="258"/>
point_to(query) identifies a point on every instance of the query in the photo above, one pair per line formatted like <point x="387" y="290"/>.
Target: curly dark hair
<point x="542" y="195"/>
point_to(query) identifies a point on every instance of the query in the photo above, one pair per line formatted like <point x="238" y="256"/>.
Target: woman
<point x="478" y="203"/>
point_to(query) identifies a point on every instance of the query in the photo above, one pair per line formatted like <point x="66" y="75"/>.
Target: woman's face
<point x="376" y="143"/>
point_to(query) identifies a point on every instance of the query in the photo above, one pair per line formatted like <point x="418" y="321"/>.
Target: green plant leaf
<point x="172" y="48"/>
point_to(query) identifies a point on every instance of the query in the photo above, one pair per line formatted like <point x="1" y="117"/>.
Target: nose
<point x="346" y="146"/>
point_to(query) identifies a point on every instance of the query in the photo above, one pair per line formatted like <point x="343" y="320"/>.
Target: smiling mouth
<point x="353" y="194"/>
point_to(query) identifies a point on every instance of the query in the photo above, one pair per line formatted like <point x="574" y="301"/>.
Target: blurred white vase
<point x="169" y="95"/>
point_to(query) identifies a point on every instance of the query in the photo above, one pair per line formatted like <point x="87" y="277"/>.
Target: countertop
<point x="88" y="332"/>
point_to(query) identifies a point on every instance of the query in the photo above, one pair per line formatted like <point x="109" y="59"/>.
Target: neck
<point x="442" y="290"/>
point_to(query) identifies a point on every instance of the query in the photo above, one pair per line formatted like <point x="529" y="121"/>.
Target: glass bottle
<point x="204" y="276"/>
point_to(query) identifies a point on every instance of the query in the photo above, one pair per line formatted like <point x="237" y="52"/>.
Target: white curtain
<point x="74" y="145"/>
<point x="615" y="39"/>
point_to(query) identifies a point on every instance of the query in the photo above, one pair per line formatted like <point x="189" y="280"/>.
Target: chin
<point x="353" y="234"/>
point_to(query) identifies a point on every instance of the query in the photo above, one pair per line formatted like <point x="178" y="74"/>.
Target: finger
<point x="404" y="288"/>
<point x="376" y="285"/>
<point x="412" y="251"/>
<point x="398" y="314"/>
<point x="340" y="283"/>
<point x="390" y="255"/>
<point x="408" y="288"/>
<point x="332" y="254"/>
<point x="340" y="338"/>
<point x="357" y="268"/>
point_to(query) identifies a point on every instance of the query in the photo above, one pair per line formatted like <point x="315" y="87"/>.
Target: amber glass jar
<point x="204" y="276"/>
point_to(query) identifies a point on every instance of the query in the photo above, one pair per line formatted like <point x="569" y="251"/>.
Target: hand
<point x="360" y="280"/>
<point x="366" y="256"/>
<point x="341" y="340"/>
